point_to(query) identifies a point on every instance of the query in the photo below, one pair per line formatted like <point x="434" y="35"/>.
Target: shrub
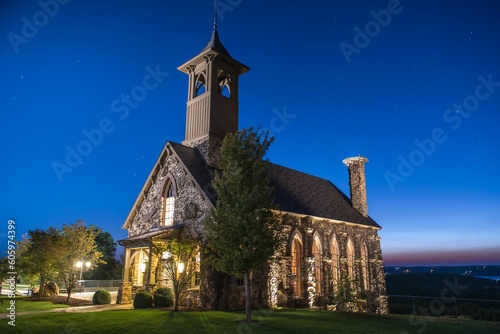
<point x="101" y="297"/>
<point x="163" y="297"/>
<point x="143" y="299"/>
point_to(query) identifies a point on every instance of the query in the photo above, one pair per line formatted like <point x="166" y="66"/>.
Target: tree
<point x="37" y="255"/>
<point x="77" y="243"/>
<point x="4" y="269"/>
<point x="179" y="259"/>
<point x="243" y="230"/>
<point x="112" y="268"/>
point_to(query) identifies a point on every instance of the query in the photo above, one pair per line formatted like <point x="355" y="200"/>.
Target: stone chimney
<point x="357" y="183"/>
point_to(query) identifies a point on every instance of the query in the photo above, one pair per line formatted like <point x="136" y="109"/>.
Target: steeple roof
<point x="215" y="43"/>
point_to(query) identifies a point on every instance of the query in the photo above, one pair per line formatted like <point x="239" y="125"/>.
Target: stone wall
<point x="217" y="292"/>
<point x="209" y="148"/>
<point x="281" y="273"/>
<point x="190" y="207"/>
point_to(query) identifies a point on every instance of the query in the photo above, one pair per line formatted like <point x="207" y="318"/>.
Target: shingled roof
<point x="216" y="44"/>
<point x="294" y="191"/>
<point x="197" y="167"/>
<point x="306" y="194"/>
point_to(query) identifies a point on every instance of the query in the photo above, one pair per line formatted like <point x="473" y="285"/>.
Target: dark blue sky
<point x="412" y="85"/>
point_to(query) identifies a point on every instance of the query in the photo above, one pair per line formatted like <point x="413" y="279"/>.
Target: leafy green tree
<point x="4" y="269"/>
<point x="243" y="229"/>
<point x="37" y="255"/>
<point x="77" y="243"/>
<point x="111" y="269"/>
<point x="180" y="263"/>
<point x="347" y="295"/>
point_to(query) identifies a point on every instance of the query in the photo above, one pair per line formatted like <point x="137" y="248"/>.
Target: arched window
<point x="169" y="204"/>
<point x="364" y="267"/>
<point x="297" y="265"/>
<point x="335" y="262"/>
<point x="350" y="259"/>
<point x="317" y="251"/>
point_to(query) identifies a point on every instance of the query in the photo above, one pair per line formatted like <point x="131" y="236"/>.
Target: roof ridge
<point x="301" y="172"/>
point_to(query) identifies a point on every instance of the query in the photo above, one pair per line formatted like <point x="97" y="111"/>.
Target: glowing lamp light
<point x="142" y="267"/>
<point x="79" y="264"/>
<point x="180" y="267"/>
<point x="166" y="255"/>
<point x="87" y="264"/>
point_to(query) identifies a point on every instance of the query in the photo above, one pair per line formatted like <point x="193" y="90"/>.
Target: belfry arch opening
<point x="224" y="81"/>
<point x="201" y="85"/>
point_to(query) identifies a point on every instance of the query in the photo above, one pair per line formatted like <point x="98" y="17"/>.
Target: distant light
<point x="180" y="267"/>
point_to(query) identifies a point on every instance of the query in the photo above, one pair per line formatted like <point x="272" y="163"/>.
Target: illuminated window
<point x="335" y="262"/>
<point x="296" y="265"/>
<point x="364" y="267"/>
<point x="197" y="278"/>
<point x="169" y="205"/>
<point x="317" y="251"/>
<point x="350" y="259"/>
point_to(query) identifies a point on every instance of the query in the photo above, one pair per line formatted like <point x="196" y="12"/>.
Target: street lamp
<point x="79" y="264"/>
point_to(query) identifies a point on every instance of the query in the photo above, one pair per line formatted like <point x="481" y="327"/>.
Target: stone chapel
<point x="332" y="239"/>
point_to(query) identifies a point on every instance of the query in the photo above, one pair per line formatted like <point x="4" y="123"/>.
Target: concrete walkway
<point x="89" y="308"/>
<point x="82" y="309"/>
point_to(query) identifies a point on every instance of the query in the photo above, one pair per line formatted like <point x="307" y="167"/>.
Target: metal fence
<point x="94" y="285"/>
<point x="453" y="310"/>
<point x="101" y="283"/>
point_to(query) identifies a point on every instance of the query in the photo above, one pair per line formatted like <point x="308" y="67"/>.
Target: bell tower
<point x="212" y="102"/>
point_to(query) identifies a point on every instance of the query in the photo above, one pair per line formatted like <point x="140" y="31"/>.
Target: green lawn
<point x="267" y="321"/>
<point x="23" y="305"/>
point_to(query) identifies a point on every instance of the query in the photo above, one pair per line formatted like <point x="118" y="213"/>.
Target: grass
<point x="24" y="305"/>
<point x="266" y="321"/>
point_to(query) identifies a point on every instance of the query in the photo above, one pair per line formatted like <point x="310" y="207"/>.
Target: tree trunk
<point x="69" y="292"/>
<point x="248" y="304"/>
<point x="69" y="287"/>
<point x="176" y="298"/>
<point x="41" y="291"/>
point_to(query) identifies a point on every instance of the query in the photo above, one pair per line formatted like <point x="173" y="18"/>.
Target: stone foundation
<point x="124" y="295"/>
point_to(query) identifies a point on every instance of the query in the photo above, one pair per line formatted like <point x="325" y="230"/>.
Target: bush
<point x="163" y="297"/>
<point x="101" y="297"/>
<point x="143" y="299"/>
